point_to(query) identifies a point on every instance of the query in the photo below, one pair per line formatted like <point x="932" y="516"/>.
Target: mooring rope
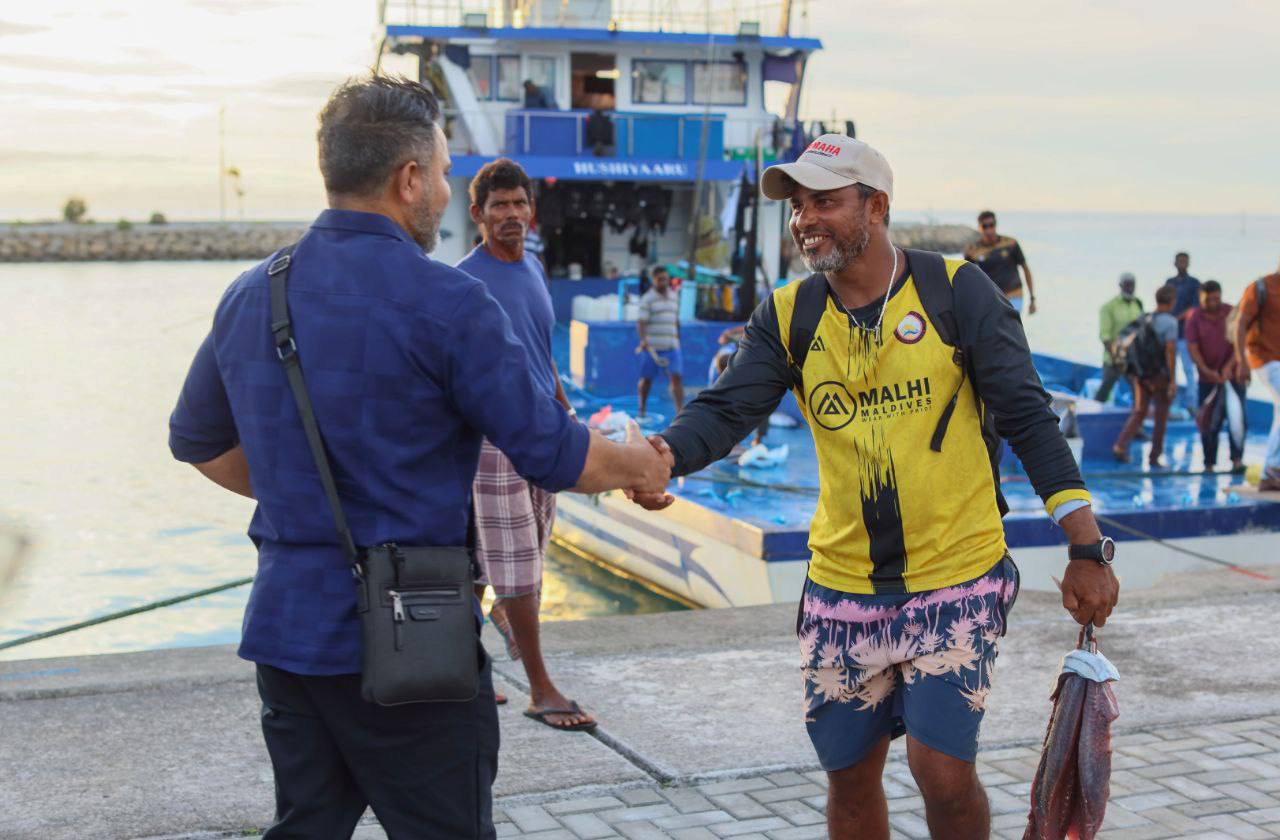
<point x="103" y="619"/>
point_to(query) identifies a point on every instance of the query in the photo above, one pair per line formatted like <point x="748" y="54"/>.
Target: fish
<point x="1235" y="416"/>
<point x="1073" y="780"/>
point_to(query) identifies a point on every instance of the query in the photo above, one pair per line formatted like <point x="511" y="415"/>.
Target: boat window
<point x="659" y="82"/>
<point x="496" y="77"/>
<point x="481" y="74"/>
<point x="720" y="83"/>
<point x="542" y="69"/>
<point x="508" y="83"/>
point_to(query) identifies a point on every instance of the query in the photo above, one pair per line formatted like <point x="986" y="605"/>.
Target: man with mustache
<point x="909" y="580"/>
<point x="513" y="516"/>
<point x="408" y="364"/>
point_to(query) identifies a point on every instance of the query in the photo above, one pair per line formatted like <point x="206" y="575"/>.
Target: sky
<point x="1136" y="106"/>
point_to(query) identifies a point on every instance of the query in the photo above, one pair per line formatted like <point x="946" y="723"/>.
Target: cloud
<point x="21" y="157"/>
<point x="8" y="27"/>
<point x="223" y="7"/>
<point x="161" y="67"/>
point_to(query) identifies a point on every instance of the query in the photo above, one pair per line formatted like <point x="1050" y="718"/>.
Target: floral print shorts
<point x="919" y="662"/>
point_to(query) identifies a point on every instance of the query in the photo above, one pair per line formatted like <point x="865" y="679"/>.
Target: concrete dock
<point x="701" y="732"/>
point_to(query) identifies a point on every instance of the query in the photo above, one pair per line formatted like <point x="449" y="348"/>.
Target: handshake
<point x="639" y="466"/>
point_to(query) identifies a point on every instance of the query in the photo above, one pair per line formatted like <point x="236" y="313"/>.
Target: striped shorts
<point x="513" y="526"/>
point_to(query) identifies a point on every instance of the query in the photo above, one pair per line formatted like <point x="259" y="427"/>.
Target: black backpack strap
<point x="287" y="350"/>
<point x="806" y="313"/>
<point x="929" y="270"/>
<point x="937" y="295"/>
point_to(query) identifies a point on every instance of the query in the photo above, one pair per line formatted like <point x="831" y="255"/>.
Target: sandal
<point x="574" y="709"/>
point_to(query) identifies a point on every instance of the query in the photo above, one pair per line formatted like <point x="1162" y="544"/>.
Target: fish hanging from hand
<point x="1073" y="781"/>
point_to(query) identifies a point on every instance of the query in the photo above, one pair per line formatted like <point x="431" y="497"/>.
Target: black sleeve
<point x="1018" y="257"/>
<point x="746" y="393"/>
<point x="1006" y="380"/>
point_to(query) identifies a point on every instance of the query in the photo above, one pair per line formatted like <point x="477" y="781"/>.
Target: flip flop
<point x="574" y="709"/>
<point x="499" y="699"/>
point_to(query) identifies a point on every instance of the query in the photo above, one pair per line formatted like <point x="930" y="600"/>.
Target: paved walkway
<point x="700" y="736"/>
<point x="1214" y="780"/>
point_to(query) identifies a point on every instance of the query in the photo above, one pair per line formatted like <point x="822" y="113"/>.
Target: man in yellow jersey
<point x="907" y="366"/>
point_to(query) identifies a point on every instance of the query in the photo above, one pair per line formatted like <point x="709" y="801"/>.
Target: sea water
<point x="92" y="356"/>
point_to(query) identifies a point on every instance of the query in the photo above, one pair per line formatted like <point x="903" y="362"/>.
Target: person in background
<point x="1215" y="362"/>
<point x="658" y="325"/>
<point x="409" y="363"/>
<point x="1187" y="289"/>
<point x="533" y="243"/>
<point x="537" y="97"/>
<point x="1001" y="257"/>
<point x="1116" y="314"/>
<point x="1156" y="388"/>
<point x="514" y="517"/>
<point x="1257" y="342"/>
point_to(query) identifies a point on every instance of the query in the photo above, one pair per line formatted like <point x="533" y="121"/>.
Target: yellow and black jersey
<point x="894" y="515"/>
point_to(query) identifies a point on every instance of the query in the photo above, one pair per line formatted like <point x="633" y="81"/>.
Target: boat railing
<point x="727" y="17"/>
<point x="634" y="134"/>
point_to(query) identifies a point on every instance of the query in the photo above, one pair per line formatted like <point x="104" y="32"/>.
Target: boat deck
<point x="1171" y="519"/>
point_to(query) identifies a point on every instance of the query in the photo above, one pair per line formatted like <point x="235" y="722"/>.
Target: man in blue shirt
<point x="514" y="517"/>
<point x="408" y="363"/>
<point x="1186" y="302"/>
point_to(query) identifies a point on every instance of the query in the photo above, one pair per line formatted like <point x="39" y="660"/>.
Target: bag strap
<point x="937" y="295"/>
<point x="287" y="351"/>
<point x="929" y="270"/>
<point x="806" y="313"/>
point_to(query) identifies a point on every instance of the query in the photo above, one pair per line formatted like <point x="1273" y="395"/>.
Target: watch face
<point x="1108" y="549"/>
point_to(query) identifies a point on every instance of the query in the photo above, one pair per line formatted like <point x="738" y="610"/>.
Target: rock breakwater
<point x="948" y="239"/>
<point x="175" y="241"/>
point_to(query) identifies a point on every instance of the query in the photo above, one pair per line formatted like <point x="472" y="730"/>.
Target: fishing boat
<point x="644" y="127"/>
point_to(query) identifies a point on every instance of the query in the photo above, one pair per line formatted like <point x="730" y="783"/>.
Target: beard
<point x="424" y="224"/>
<point x="843" y="253"/>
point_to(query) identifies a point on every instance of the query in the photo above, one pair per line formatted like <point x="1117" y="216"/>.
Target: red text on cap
<point x="822" y="148"/>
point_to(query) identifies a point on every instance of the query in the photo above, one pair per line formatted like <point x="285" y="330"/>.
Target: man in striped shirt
<point x="658" y="324"/>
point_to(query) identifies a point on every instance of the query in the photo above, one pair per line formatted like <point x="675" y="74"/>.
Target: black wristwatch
<point x="1103" y="551"/>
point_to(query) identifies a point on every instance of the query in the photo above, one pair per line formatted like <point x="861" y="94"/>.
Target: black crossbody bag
<point x="419" y="632"/>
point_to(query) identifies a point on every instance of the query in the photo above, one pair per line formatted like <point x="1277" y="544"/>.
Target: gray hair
<point x="371" y="127"/>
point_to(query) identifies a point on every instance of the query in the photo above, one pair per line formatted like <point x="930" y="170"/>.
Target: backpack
<point x="1233" y="319"/>
<point x="937" y="295"/>
<point x="1139" y="351"/>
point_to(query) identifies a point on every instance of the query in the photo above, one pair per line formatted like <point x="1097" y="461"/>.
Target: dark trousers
<point x="1209" y="437"/>
<point x="1146" y="393"/>
<point x="426" y="769"/>
<point x="1110" y="376"/>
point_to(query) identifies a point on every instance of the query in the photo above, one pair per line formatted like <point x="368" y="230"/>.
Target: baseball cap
<point x="831" y="162"/>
